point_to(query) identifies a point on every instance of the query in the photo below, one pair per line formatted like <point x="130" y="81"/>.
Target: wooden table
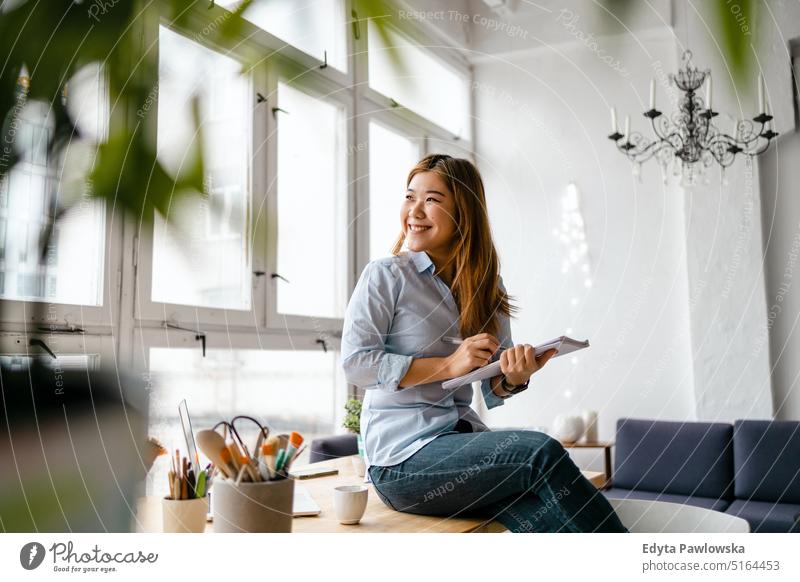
<point x="606" y="446"/>
<point x="378" y="517"/>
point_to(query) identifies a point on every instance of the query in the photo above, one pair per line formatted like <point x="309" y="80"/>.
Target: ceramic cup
<point x="349" y="503"/>
<point x="184" y="515"/>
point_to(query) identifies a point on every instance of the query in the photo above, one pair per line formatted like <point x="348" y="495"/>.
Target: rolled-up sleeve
<point x="367" y="322"/>
<point x="504" y="335"/>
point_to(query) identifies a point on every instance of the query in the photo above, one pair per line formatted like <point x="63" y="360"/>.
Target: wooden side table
<point x="605" y="445"/>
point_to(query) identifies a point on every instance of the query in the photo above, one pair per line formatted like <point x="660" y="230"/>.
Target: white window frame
<point x="146" y="338"/>
<point x="149" y="312"/>
<point x="448" y="58"/>
<point x="319" y="88"/>
<point x="61" y="344"/>
<point x="61" y="314"/>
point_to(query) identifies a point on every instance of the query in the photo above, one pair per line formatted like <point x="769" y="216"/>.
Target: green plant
<point x="730" y="25"/>
<point x="352" y="420"/>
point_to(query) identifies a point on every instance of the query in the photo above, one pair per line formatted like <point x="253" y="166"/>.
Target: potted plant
<point x="352" y="422"/>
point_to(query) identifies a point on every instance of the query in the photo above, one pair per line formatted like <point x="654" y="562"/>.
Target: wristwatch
<point x="511" y="390"/>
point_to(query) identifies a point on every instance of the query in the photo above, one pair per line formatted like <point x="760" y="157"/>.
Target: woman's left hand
<point x="519" y="363"/>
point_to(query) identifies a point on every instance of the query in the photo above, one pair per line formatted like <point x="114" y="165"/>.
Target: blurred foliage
<point x="732" y="26"/>
<point x="735" y="45"/>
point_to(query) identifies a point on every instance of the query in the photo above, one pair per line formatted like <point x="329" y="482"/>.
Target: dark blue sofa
<point x="750" y="469"/>
<point x="333" y="447"/>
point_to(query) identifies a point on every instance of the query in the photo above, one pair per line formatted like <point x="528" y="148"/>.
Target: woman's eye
<point x="408" y="196"/>
<point x="434" y="199"/>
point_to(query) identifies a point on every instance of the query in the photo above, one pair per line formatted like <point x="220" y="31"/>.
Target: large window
<point x="414" y="78"/>
<point x="202" y="256"/>
<point x="312" y="205"/>
<point x="236" y="302"/>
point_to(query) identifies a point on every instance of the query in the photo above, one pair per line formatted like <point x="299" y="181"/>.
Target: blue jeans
<point x="523" y="479"/>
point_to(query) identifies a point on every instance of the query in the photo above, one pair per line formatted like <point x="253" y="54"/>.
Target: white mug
<point x="349" y="503"/>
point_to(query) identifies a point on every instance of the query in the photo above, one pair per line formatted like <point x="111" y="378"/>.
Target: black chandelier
<point x="688" y="140"/>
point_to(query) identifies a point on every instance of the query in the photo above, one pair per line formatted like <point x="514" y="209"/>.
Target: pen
<point x="452" y="340"/>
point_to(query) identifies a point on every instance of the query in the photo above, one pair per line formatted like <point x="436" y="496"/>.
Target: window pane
<point x="203" y="259"/>
<point x="416" y="79"/>
<point x="62" y="362"/>
<point x="313" y="26"/>
<point x="71" y="270"/>
<point x="288" y="390"/>
<point x="312" y="205"/>
<point x="391" y="157"/>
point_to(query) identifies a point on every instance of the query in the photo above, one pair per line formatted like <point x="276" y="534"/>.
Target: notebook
<point x="304" y="504"/>
<point x="565" y="345"/>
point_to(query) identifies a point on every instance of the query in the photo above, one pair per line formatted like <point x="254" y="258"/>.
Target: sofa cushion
<point x="766" y="456"/>
<point x="704" y="502"/>
<point x="324" y="449"/>
<point x="679" y="458"/>
<point x="764" y="516"/>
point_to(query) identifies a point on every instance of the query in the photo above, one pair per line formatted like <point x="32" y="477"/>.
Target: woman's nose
<point x="417" y="210"/>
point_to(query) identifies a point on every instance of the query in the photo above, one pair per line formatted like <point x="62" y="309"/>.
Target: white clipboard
<point x="565" y="345"/>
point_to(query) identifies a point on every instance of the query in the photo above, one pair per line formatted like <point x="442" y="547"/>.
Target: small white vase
<point x="589" y="426"/>
<point x="567" y="428"/>
<point x="359" y="466"/>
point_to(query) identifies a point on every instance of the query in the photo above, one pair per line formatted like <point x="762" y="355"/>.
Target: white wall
<point x="724" y="229"/>
<point x="541" y="122"/>
<point x="780" y="175"/>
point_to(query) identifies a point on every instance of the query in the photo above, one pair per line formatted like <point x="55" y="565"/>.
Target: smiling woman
<point x="426" y="449"/>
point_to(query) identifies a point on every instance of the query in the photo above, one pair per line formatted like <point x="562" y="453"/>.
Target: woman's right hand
<point x="474" y="352"/>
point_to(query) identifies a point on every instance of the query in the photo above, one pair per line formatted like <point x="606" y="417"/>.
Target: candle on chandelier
<point x="760" y="93"/>
<point x="708" y="93"/>
<point x="652" y="94"/>
<point x="735" y="129"/>
<point x="613" y="120"/>
<point x="627" y="127"/>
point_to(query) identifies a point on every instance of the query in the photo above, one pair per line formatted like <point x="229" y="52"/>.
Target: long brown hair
<point x="475" y="285"/>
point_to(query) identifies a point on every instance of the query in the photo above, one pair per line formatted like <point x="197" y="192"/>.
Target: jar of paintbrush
<point x="185" y="509"/>
<point x="254" y="492"/>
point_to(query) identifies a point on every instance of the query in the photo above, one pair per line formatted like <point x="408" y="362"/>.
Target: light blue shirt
<point x="401" y="310"/>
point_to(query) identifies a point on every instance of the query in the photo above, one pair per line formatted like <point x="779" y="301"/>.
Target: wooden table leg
<point x="608" y="466"/>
